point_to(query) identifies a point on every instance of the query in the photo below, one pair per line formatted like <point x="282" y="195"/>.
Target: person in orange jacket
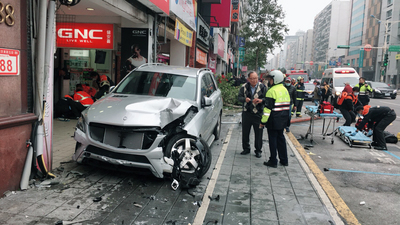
<point x="78" y="102"/>
<point x="82" y="97"/>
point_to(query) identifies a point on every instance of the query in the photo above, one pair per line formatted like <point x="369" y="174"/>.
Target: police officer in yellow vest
<point x="275" y="118"/>
<point x="364" y="89"/>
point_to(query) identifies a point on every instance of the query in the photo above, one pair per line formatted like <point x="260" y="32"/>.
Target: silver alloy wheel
<point x="186" y="147"/>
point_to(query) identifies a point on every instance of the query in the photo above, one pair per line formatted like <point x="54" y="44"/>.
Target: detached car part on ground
<point x="159" y="118"/>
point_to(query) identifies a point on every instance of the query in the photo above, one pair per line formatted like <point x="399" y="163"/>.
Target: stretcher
<point x="312" y="111"/>
<point x="358" y="140"/>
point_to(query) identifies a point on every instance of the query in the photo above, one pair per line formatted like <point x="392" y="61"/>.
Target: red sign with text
<point x="9" y="62"/>
<point x="85" y="35"/>
<point x="162" y="4"/>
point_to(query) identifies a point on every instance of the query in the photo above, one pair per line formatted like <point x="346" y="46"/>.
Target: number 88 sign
<point x="9" y="62"/>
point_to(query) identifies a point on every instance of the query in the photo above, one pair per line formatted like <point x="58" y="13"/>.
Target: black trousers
<point x="299" y="106"/>
<point x="364" y="99"/>
<point x="277" y="144"/>
<point x="379" y="127"/>
<point x="349" y="116"/>
<point x="251" y="120"/>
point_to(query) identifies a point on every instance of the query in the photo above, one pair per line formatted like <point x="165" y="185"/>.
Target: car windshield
<point x="309" y="86"/>
<point x="379" y="85"/>
<point x="159" y="84"/>
<point x="339" y="81"/>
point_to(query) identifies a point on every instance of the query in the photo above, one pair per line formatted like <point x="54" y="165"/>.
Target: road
<point x="360" y="174"/>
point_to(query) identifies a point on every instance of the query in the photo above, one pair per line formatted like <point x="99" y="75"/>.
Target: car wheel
<point x="393" y="97"/>
<point x="217" y="129"/>
<point x="188" y="149"/>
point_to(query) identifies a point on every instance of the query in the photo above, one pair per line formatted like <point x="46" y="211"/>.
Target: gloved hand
<point x="354" y="133"/>
<point x="369" y="134"/>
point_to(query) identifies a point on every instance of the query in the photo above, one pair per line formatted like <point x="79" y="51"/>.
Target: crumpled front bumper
<point x="151" y="159"/>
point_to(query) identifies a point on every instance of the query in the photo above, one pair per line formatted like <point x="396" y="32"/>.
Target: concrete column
<point x="177" y="53"/>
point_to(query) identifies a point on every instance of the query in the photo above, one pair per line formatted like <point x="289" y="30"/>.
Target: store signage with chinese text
<point x="85" y="35"/>
<point x="183" y="34"/>
<point x="201" y="57"/>
<point x="162" y="4"/>
<point x="203" y="32"/>
<point x="244" y="68"/>
<point x="221" y="14"/>
<point x="242" y="41"/>
<point x="9" y="62"/>
<point x="235" y="11"/>
<point x="221" y="46"/>
<point x="212" y="62"/>
<point x="186" y="10"/>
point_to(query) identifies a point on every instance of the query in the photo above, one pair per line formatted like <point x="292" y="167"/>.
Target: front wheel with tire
<point x="393" y="97"/>
<point x="194" y="155"/>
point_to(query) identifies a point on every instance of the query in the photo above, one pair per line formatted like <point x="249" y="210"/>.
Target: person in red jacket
<point x="82" y="97"/>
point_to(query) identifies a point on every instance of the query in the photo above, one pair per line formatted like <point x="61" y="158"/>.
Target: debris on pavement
<point x="138" y="205"/>
<point x="310" y="146"/>
<point x="152" y="197"/>
<point x="292" y="155"/>
<point x="326" y="169"/>
<point x="73" y="172"/>
<point x="214" y="198"/>
<point x="362" y="203"/>
<point x="310" y="153"/>
<point x="61" y="222"/>
<point x="319" y="157"/>
<point x="97" y="199"/>
<point x="8" y="193"/>
<point x="50" y="182"/>
<point x="198" y="203"/>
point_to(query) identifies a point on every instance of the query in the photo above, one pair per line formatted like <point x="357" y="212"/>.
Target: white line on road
<point x="201" y="213"/>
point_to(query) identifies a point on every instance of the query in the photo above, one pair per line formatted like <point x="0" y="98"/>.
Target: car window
<point x="379" y="84"/>
<point x="210" y="84"/>
<point x="339" y="81"/>
<point x="158" y="84"/>
<point x="204" y="86"/>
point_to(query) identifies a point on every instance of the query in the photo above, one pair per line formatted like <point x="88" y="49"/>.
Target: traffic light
<point x="385" y="60"/>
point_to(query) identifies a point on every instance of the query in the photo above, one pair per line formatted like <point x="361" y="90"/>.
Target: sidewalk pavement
<point x="249" y="192"/>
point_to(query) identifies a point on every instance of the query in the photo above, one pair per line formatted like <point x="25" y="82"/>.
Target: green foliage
<point x="229" y="92"/>
<point x="264" y="30"/>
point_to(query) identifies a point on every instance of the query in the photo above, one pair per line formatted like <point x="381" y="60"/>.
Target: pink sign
<point x="162" y="4"/>
<point x="221" y="46"/>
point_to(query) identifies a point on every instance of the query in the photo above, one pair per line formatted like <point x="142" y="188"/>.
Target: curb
<point x="337" y="201"/>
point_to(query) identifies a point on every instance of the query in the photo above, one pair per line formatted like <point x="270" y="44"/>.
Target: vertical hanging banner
<point x="361" y="62"/>
<point x="134" y="48"/>
<point x="186" y="10"/>
<point x="235" y="11"/>
<point x="183" y="34"/>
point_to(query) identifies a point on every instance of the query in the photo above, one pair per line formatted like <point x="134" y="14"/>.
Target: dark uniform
<point x="293" y="95"/>
<point x="251" y="115"/>
<point x="275" y="118"/>
<point x="300" y="98"/>
<point x="347" y="109"/>
<point x="378" y="118"/>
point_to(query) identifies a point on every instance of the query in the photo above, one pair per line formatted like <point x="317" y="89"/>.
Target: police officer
<point x="293" y="95"/>
<point x="364" y="89"/>
<point x="275" y="118"/>
<point x="251" y="95"/>
<point x="378" y="118"/>
<point x="300" y="95"/>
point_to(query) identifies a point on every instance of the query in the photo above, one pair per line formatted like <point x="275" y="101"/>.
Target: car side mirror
<point x="206" y="101"/>
<point x="112" y="88"/>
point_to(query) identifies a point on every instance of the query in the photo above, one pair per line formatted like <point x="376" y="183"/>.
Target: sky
<point x="299" y="14"/>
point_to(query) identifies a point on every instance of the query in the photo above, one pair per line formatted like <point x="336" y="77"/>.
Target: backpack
<point x="342" y="97"/>
<point x="325" y="107"/>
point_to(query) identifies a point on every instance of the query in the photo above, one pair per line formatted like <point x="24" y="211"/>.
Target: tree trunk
<point x="257" y="52"/>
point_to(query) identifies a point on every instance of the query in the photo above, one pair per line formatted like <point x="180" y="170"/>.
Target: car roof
<point x="179" y="70"/>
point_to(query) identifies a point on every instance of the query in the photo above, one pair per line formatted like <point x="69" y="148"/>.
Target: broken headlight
<point x="81" y="124"/>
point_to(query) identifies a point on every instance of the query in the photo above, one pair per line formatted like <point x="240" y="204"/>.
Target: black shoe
<point x="374" y="143"/>
<point x="380" y="148"/>
<point x="258" y="154"/>
<point x="245" y="152"/>
<point x="270" y="164"/>
<point x="287" y="130"/>
<point x="284" y="164"/>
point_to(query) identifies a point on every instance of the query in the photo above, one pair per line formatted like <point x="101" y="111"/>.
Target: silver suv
<point x="159" y="118"/>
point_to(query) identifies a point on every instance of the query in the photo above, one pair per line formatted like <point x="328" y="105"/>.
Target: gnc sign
<point x="85" y="35"/>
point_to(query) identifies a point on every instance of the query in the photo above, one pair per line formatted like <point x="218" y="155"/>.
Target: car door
<point x="205" y="111"/>
<point x="216" y="101"/>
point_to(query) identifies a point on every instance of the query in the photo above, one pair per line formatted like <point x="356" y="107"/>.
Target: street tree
<point x="264" y="30"/>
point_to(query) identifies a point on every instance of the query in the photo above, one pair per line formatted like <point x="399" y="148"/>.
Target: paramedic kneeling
<point x="378" y="118"/>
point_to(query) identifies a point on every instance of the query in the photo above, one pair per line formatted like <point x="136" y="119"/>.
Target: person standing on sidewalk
<point x="251" y="96"/>
<point x="364" y="89"/>
<point x="293" y="95"/>
<point x="317" y="93"/>
<point x="378" y="118"/>
<point x="300" y="95"/>
<point x="275" y="118"/>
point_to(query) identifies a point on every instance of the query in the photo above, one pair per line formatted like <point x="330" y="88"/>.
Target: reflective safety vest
<point x="84" y="98"/>
<point x="277" y="106"/>
<point x="363" y="89"/>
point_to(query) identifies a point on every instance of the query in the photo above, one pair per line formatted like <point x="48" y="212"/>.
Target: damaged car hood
<point x="137" y="110"/>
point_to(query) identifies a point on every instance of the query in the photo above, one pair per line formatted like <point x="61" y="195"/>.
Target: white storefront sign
<point x="185" y="10"/>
